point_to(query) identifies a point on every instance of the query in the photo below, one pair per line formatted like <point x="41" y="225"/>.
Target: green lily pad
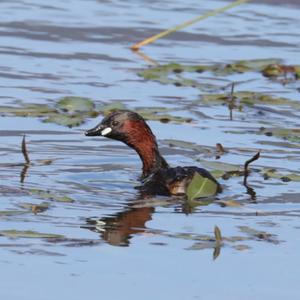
<point x="242" y="66"/>
<point x="28" y="110"/>
<point x="66" y="120"/>
<point x="285" y="177"/>
<point x="258" y="64"/>
<point x="290" y="134"/>
<point x="258" y="234"/>
<point x="47" y="195"/>
<point x="228" y="203"/>
<point x="165" y="73"/>
<point x="110" y="107"/>
<point x="247" y="98"/>
<point x="75" y="104"/>
<point x="165" y="118"/>
<point x="28" y="234"/>
<point x="241" y="247"/>
<point x="7" y="213"/>
<point x="184" y="145"/>
<point x="201" y="187"/>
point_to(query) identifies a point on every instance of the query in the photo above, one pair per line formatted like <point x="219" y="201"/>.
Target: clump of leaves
<point x="279" y="70"/>
<point x="66" y="120"/>
<point x="172" y="73"/>
<point x="28" y="110"/>
<point x="75" y="104"/>
<point x="73" y="111"/>
<point x="259" y="235"/>
<point x="161" y="114"/>
<point x="68" y="111"/>
<point x="247" y="98"/>
<point x="289" y="134"/>
<point x="242" y="66"/>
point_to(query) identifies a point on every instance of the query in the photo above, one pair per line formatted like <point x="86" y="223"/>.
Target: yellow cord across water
<point x="211" y="13"/>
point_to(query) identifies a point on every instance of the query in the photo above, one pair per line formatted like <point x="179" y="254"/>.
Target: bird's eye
<point x="115" y="123"/>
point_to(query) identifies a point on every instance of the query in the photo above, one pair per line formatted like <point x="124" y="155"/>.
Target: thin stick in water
<point x="24" y="151"/>
<point x="231" y="102"/>
<point x="247" y="163"/>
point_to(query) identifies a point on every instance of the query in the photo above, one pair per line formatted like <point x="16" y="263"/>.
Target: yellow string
<point x="188" y="23"/>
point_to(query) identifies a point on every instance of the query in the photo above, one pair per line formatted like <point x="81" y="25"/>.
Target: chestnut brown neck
<point x="142" y="140"/>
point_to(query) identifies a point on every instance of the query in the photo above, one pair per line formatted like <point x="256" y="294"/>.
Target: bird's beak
<point x="98" y="130"/>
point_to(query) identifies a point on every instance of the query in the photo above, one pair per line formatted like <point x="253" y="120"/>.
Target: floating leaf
<point x="241" y="247"/>
<point x="200" y="187"/>
<point x="28" y="234"/>
<point x="290" y="134"/>
<point x="258" y="64"/>
<point x="66" y="120"/>
<point x="28" y="110"/>
<point x="285" y="177"/>
<point x="45" y="162"/>
<point x="184" y="145"/>
<point x="110" y="107"/>
<point x="7" y="213"/>
<point x="248" y="98"/>
<point x="47" y="195"/>
<point x="260" y="235"/>
<point x="75" y="104"/>
<point x="229" y="203"/>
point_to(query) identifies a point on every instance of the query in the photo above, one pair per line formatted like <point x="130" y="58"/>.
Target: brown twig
<point x="27" y="160"/>
<point x="250" y="190"/>
<point x="247" y="163"/>
<point x="231" y="103"/>
<point x="24" y="151"/>
<point x="24" y="172"/>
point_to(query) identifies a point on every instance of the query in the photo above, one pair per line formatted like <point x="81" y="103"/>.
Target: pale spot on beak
<point x="106" y="131"/>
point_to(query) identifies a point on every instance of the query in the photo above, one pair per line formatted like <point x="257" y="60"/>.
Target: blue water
<point x="154" y="249"/>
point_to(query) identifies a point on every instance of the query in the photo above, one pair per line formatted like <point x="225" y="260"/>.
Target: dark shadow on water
<point x="118" y="229"/>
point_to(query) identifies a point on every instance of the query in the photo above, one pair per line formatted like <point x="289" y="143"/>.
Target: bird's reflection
<point x="118" y="229"/>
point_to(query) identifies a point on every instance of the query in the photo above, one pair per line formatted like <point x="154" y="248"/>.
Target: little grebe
<point x="158" y="177"/>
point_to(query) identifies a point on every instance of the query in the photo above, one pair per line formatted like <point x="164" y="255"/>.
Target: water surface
<point x="106" y="241"/>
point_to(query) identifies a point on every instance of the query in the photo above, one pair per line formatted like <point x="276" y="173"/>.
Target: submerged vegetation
<point x="74" y="111"/>
<point x="271" y="68"/>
